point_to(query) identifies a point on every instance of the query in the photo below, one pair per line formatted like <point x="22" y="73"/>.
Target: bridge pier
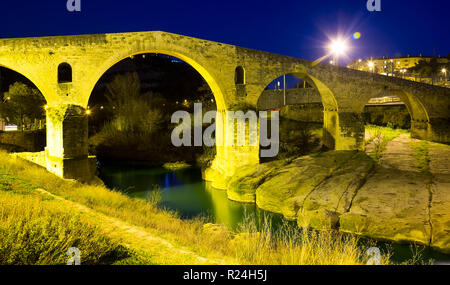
<point x="343" y="130"/>
<point x="437" y="130"/>
<point x="228" y="160"/>
<point x="66" y="153"/>
<point x="230" y="156"/>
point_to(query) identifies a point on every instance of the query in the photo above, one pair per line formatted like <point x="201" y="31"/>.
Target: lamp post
<point x="444" y="70"/>
<point x="371" y="66"/>
<point x="284" y="89"/>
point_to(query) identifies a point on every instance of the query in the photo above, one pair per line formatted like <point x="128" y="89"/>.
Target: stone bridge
<point x="66" y="69"/>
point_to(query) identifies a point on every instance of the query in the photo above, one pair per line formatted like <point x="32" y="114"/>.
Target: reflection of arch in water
<point x="225" y="211"/>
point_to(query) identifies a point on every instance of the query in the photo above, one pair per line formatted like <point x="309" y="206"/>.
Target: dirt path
<point x="159" y="250"/>
<point x="399" y="154"/>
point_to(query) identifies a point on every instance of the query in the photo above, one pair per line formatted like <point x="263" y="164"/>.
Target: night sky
<point x="298" y="28"/>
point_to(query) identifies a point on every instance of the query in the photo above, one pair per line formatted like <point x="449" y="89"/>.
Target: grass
<point x="291" y="245"/>
<point x="250" y="245"/>
<point x="37" y="230"/>
<point x="381" y="136"/>
<point x="421" y="155"/>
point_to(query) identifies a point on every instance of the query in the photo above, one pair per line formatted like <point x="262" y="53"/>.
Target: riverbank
<point x="399" y="190"/>
<point x="138" y="232"/>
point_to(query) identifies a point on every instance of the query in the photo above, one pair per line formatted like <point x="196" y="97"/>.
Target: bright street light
<point x="338" y="47"/>
<point x="371" y="66"/>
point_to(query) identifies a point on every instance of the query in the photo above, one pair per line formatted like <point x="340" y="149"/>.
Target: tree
<point x="22" y="105"/>
<point x="133" y="111"/>
<point x="123" y="88"/>
<point x="426" y="68"/>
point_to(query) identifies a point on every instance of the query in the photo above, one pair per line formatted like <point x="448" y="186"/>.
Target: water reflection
<point x="183" y="191"/>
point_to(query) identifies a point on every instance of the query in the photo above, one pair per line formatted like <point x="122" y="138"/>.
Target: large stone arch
<point x="110" y="62"/>
<point x="225" y="161"/>
<point x="37" y="83"/>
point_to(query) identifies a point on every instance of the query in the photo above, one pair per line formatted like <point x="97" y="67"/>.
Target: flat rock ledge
<point x="347" y="190"/>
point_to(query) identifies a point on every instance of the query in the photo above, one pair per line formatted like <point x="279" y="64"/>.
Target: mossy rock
<point x="333" y="197"/>
<point x="242" y="186"/>
<point x="321" y="219"/>
<point x="286" y="189"/>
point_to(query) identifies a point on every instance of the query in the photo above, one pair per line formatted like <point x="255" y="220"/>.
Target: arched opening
<point x="64" y="73"/>
<point x="301" y="105"/>
<point x="210" y="80"/>
<point x="130" y="128"/>
<point x="155" y="85"/>
<point x="22" y="113"/>
<point x="212" y="84"/>
<point x="239" y="76"/>
<point x="389" y="114"/>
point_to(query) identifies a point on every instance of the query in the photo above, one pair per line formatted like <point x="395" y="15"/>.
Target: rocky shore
<point x="402" y="197"/>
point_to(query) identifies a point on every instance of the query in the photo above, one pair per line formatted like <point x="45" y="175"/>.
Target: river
<point x="185" y="192"/>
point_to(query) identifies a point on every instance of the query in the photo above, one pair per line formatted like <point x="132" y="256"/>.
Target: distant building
<point x="397" y="66"/>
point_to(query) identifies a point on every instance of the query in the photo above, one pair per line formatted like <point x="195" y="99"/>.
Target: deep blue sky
<point x="297" y="28"/>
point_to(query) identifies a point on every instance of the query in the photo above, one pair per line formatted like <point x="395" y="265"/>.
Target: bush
<point x="205" y="159"/>
<point x="296" y="138"/>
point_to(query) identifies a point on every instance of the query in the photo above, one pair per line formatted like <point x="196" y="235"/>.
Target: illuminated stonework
<point x="344" y="92"/>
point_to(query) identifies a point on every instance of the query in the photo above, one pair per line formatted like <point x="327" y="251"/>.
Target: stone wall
<point x="396" y="115"/>
<point x="303" y="112"/>
<point x="28" y="141"/>
<point x="272" y="99"/>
